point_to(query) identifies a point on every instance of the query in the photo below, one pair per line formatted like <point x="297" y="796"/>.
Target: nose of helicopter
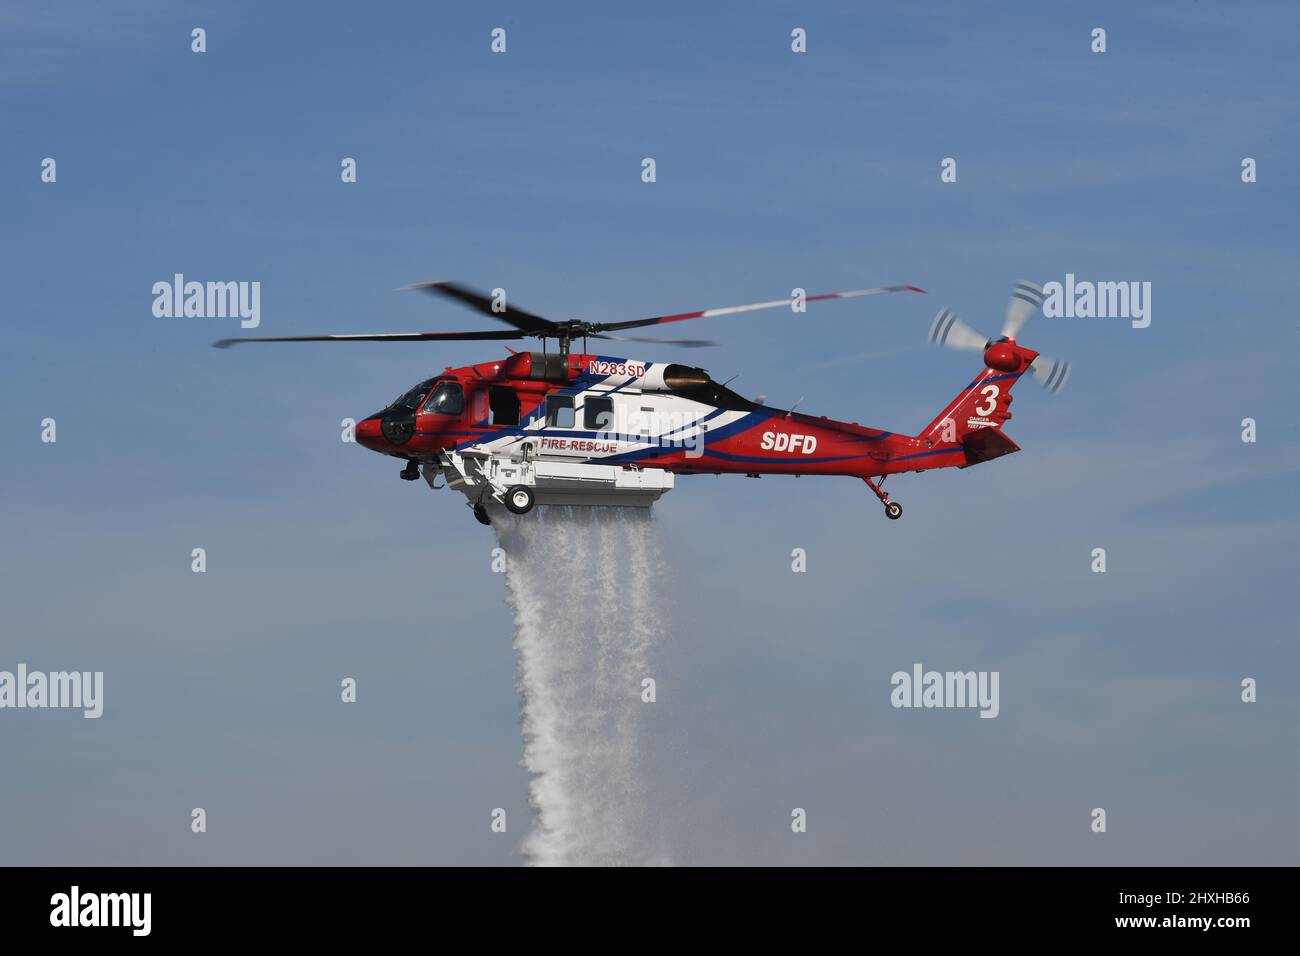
<point x="369" y="432"/>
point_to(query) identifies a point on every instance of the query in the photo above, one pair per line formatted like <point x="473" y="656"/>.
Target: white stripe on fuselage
<point x="673" y="423"/>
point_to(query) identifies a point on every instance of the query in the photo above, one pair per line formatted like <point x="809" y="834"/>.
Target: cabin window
<point x="559" y="411"/>
<point x="504" y="404"/>
<point x="598" y="414"/>
<point x="447" y="399"/>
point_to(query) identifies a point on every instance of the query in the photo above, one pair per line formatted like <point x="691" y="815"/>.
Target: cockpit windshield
<point x="411" y="400"/>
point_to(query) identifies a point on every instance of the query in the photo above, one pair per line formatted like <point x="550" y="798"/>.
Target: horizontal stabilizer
<point x="984" y="444"/>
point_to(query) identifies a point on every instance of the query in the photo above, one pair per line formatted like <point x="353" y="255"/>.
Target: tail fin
<point x="974" y="419"/>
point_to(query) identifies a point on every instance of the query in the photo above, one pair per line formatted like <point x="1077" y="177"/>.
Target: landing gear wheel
<point x="411" y="471"/>
<point x="480" y="513"/>
<point x="893" y="510"/>
<point x="519" y="499"/>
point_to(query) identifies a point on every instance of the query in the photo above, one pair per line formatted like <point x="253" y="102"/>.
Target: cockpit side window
<point x="447" y="399"/>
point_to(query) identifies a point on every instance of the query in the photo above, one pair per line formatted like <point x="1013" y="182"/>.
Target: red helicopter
<point x="560" y="427"/>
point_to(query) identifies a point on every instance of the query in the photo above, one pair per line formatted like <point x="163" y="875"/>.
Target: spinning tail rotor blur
<point x="949" y="331"/>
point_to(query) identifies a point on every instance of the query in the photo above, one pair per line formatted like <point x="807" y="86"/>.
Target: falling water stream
<point x="584" y="585"/>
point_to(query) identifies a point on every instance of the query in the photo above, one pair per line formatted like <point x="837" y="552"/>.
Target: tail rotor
<point x="1050" y="373"/>
<point x="949" y="331"/>
<point x="1026" y="298"/>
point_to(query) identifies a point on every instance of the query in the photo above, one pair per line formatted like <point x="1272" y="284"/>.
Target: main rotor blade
<point x="732" y="310"/>
<point x="519" y="318"/>
<point x="380" y="337"/>
<point x="684" y="343"/>
<point x="1025" y="300"/>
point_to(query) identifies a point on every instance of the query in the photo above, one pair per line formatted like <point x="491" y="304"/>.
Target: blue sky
<point x="775" y="170"/>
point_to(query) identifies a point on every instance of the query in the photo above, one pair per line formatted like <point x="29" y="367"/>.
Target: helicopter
<point x="560" y="427"/>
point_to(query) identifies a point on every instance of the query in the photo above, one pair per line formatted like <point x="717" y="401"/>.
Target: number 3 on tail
<point x="990" y="392"/>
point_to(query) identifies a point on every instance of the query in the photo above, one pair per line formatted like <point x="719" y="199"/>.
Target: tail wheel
<point x="519" y="499"/>
<point x="893" y="511"/>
